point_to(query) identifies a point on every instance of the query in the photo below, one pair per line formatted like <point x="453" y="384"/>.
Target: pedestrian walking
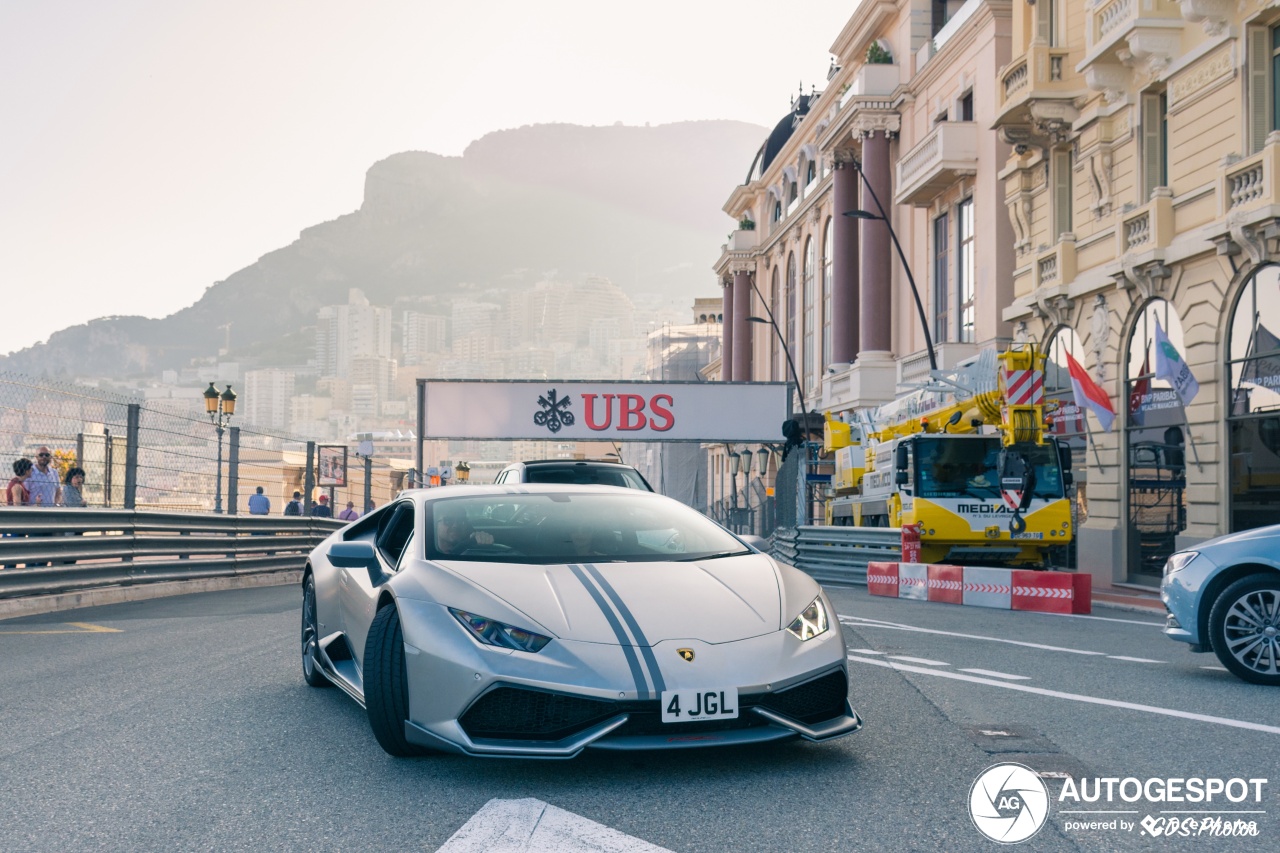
<point x="259" y="504"/>
<point x="73" y="488"/>
<point x="44" y="485"/>
<point x="349" y="514"/>
<point x="322" y="508"/>
<point x="294" y="507"/>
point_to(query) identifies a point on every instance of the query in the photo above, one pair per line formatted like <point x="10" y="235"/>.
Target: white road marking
<point x="866" y="651"/>
<point x="1134" y="660"/>
<point x="1216" y="668"/>
<point x="897" y="626"/>
<point x="1106" y="619"/>
<point x="994" y="674"/>
<point x="924" y="661"/>
<point x="1076" y="697"/>
<point x="531" y="826"/>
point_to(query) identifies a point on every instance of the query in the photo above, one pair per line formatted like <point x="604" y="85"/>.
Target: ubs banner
<point x="603" y="411"/>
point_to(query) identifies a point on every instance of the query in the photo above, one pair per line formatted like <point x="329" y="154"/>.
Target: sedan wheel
<point x="386" y="687"/>
<point x="310" y="669"/>
<point x="1244" y="626"/>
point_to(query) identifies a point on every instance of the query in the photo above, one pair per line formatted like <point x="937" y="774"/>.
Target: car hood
<point x="715" y="601"/>
<point x="1271" y="532"/>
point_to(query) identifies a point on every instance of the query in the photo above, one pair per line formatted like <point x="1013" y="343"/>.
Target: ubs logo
<point x="687" y="654"/>
<point x="555" y="411"/>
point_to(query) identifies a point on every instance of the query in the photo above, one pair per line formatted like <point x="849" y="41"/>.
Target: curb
<point x="35" y="605"/>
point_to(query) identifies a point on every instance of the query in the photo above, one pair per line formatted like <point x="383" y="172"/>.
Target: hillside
<point x="638" y="205"/>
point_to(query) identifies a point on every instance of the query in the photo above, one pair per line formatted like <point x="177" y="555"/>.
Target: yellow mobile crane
<point x="967" y="460"/>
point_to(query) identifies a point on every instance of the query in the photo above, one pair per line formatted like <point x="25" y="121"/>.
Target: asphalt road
<point x="184" y="724"/>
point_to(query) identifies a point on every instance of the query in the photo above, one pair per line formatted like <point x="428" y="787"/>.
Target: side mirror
<point x="1064" y="457"/>
<point x="1068" y="479"/>
<point x="757" y="542"/>
<point x="901" y="457"/>
<point x="357" y="555"/>
<point x="900" y="478"/>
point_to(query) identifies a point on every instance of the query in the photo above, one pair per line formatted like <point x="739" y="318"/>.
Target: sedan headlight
<point x="498" y="634"/>
<point x="1179" y="561"/>
<point x="811" y="622"/>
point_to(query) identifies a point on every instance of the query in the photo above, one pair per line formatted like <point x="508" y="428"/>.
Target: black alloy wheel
<point x="1244" y="627"/>
<point x="310" y="669"/>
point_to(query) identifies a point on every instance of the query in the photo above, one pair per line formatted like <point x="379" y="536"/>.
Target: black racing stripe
<point x="642" y="688"/>
<point x="654" y="671"/>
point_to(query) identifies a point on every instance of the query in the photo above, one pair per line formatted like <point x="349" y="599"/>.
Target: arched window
<point x="793" y="318"/>
<point x="810" y="261"/>
<point x="828" y="245"/>
<point x="1253" y="415"/>
<point x="1067" y="422"/>
<point x="1155" y="441"/>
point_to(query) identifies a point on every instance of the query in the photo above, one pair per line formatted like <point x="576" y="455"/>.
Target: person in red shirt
<point x="17" y="493"/>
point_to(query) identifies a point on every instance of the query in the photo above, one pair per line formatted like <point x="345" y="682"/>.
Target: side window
<point x="407" y="553"/>
<point x="395" y="534"/>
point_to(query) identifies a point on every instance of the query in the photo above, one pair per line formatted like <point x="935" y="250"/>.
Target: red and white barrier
<point x="1007" y="589"/>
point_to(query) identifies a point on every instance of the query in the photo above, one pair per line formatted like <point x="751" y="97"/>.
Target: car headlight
<point x="1179" y="561"/>
<point x="498" y="634"/>
<point x="811" y="622"/>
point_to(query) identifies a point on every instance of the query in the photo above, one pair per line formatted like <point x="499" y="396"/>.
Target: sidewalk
<point x="1131" y="598"/>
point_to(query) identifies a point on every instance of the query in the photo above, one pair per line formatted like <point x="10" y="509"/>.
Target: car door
<point x="358" y="594"/>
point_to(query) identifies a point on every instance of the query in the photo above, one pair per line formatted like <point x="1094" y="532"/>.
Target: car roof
<point x="475" y="490"/>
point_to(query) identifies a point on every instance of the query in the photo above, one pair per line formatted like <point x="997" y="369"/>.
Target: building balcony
<point x="1148" y="228"/>
<point x="1038" y="87"/>
<point x="1251" y="183"/>
<point x="1056" y="266"/>
<point x="948" y="153"/>
<point x="1132" y="33"/>
<point x="744" y="240"/>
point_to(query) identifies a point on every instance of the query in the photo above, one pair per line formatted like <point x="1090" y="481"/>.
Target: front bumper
<point x="468" y="698"/>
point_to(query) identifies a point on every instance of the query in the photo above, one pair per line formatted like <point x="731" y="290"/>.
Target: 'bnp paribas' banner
<point x="603" y="411"/>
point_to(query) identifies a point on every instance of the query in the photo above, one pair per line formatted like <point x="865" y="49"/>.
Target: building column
<point x="877" y="252"/>
<point x="726" y="334"/>
<point x="741" y="327"/>
<point x="844" y="266"/>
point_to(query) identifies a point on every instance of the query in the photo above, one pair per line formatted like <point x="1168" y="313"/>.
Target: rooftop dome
<point x="783" y="130"/>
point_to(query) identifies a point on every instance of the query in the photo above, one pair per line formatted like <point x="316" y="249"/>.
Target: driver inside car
<point x="454" y="533"/>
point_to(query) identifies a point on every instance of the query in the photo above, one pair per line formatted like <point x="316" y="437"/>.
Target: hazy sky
<point x="153" y="147"/>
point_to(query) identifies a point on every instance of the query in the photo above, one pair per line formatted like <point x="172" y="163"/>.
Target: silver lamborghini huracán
<point x="540" y="620"/>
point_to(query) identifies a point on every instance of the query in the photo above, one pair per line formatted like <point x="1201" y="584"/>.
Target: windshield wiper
<point x="715" y="555"/>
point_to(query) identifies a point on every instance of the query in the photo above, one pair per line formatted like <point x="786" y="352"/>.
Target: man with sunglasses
<point x="44" y="484"/>
<point x="454" y="533"/>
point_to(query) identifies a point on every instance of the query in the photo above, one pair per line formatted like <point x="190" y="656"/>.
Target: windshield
<point x="964" y="466"/>
<point x="572" y="528"/>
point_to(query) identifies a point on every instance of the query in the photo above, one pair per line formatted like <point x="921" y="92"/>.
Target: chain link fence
<point x="162" y="452"/>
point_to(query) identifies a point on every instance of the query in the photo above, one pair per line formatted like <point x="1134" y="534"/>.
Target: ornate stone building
<point x="1100" y="178"/>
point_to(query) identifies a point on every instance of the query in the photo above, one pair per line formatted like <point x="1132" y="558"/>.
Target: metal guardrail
<point x="47" y="551"/>
<point x="836" y="554"/>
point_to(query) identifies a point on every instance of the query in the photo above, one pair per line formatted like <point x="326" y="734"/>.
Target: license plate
<point x="690" y="706"/>
<point x="1037" y="535"/>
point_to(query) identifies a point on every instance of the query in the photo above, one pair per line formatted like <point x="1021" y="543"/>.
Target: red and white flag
<point x="1089" y="394"/>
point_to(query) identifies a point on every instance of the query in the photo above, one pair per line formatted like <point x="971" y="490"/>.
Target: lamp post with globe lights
<point x="219" y="406"/>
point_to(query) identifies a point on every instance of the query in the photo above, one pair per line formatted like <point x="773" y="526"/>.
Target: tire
<point x="310" y="636"/>
<point x="386" y="687"/>
<point x="1244" y="627"/>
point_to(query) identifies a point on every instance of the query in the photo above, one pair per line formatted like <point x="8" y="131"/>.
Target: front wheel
<point x="1244" y="627"/>
<point x="386" y="684"/>
<point x="310" y="669"/>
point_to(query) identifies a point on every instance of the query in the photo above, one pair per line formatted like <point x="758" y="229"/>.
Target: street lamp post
<point x="884" y="217"/>
<point x="803" y="515"/>
<point x="463" y="471"/>
<point x="220" y="406"/>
